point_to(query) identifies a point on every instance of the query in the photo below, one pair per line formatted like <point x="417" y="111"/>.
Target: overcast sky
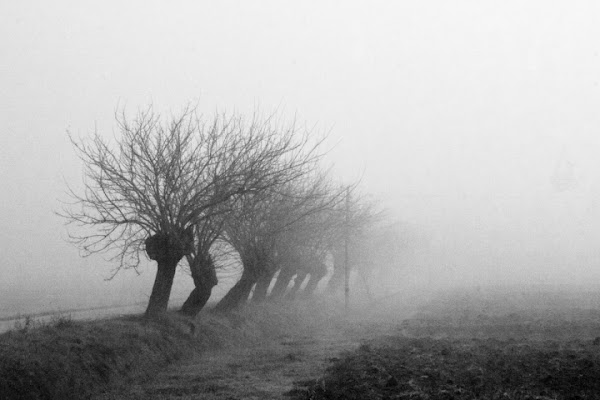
<point x="476" y="121"/>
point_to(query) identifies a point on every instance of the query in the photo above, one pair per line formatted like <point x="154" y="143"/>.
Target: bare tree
<point x="262" y="223"/>
<point x="383" y="252"/>
<point x="162" y="183"/>
<point x="351" y="222"/>
<point x="270" y="154"/>
<point x="303" y="250"/>
<point x="202" y="267"/>
<point x="251" y="232"/>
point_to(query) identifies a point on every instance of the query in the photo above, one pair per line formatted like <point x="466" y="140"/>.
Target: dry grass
<point x="70" y="360"/>
<point x="258" y="353"/>
<point x="65" y="359"/>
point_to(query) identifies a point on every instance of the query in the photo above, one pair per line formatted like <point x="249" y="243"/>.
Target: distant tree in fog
<point x="354" y="219"/>
<point x="379" y="253"/>
<point x="304" y="248"/>
<point x="264" y="231"/>
<point x="167" y="185"/>
<point x="277" y="155"/>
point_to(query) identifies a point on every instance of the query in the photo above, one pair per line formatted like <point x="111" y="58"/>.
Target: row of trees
<point x="194" y="188"/>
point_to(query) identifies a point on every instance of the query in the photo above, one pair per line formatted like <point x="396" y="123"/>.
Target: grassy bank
<point x="67" y="359"/>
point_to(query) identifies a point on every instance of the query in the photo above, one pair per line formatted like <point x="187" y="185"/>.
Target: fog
<point x="476" y="123"/>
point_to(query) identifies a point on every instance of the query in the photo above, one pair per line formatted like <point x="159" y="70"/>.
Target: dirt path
<point x="263" y="371"/>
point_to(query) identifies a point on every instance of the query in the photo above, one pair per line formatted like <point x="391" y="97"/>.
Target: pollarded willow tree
<point x="264" y="228"/>
<point x="377" y="245"/>
<point x="272" y="154"/>
<point x="355" y="219"/>
<point x="164" y="185"/>
<point x="303" y="248"/>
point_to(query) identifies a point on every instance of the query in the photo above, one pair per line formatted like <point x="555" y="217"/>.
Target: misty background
<point x="476" y="123"/>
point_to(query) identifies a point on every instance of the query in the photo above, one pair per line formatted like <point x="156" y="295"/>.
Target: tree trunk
<point x="166" y="249"/>
<point x="336" y="282"/>
<point x="196" y="300"/>
<point x="316" y="274"/>
<point x="282" y="283"/>
<point x="262" y="287"/>
<point x="300" y="276"/>
<point x="161" y="291"/>
<point x="238" y="294"/>
<point x="205" y="278"/>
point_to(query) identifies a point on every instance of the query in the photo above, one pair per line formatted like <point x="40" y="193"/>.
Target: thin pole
<point x="346" y="259"/>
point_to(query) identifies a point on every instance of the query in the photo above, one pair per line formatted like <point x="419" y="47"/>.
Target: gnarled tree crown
<point x="160" y="177"/>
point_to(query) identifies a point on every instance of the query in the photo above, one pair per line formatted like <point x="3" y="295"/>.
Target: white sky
<point x="458" y="115"/>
